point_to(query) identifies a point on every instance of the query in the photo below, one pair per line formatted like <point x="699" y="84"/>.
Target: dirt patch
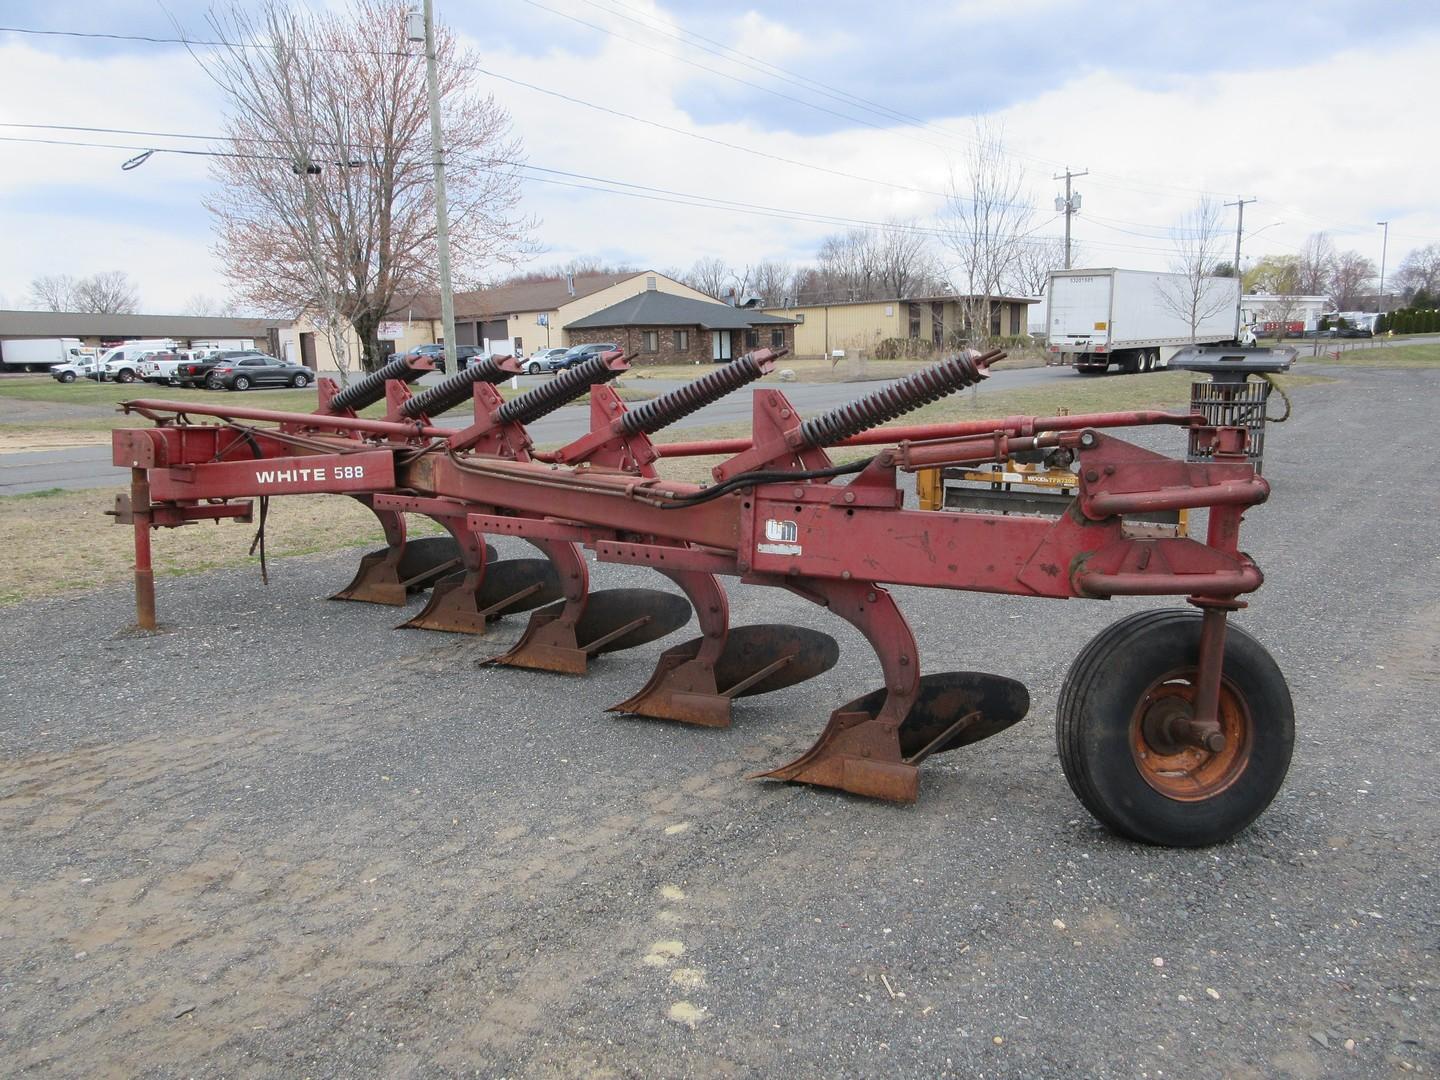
<point x="29" y="439"/>
<point x="73" y="545"/>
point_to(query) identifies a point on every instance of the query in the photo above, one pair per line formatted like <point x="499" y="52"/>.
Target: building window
<point x="682" y="340"/>
<point x="777" y="338"/>
<point x="914" y="328"/>
<point x="800" y="317"/>
<point x="1015" y="320"/>
<point x="995" y="321"/>
<point x="752" y="339"/>
<point x="652" y="340"/>
<point x="649" y="284"/>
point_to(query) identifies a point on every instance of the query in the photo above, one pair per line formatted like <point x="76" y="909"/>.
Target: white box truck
<point x="1137" y="319"/>
<point x="38" y="354"/>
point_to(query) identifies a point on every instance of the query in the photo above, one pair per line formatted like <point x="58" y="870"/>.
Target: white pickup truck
<point x="159" y="367"/>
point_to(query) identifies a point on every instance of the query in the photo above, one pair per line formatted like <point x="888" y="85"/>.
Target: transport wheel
<point x="1114" y="729"/>
<point x="125" y="377"/>
<point x="67" y="376"/>
<point x="532" y="369"/>
<point x="240" y="383"/>
<point x="213" y="382"/>
<point x="300" y="381"/>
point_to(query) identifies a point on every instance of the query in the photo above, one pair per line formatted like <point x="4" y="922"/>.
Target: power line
<point x="220" y="43"/>
<point x="712" y="141"/>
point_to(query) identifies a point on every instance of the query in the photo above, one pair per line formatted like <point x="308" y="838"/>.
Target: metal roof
<point x="19" y="324"/>
<point x="654" y="308"/>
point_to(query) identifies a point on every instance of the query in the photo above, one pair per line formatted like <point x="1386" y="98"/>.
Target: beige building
<point x="860" y="326"/>
<point x="521" y="318"/>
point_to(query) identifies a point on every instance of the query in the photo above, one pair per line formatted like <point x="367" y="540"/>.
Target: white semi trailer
<point x="1137" y="319"/>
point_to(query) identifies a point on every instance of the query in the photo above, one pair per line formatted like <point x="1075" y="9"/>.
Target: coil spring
<point x="535" y="403"/>
<point x="371" y="388"/>
<point x="454" y="389"/>
<point x="651" y="416"/>
<point x="886" y="404"/>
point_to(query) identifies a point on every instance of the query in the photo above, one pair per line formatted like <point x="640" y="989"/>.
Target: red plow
<point x="1174" y="727"/>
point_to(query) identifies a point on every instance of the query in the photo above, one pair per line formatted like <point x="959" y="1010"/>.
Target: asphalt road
<point x="90" y="466"/>
<point x="283" y="839"/>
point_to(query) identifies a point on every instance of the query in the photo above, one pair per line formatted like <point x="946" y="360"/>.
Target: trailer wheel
<point x="1110" y="726"/>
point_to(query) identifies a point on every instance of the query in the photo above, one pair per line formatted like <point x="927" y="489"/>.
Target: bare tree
<point x="849" y="266"/>
<point x="1353" y="280"/>
<point x="905" y="262"/>
<point x="987" y="217"/>
<point x="1419" y="271"/>
<point x="711" y="275"/>
<point x="1316" y="265"/>
<point x="770" y="279"/>
<point x="109" y="293"/>
<point x="203" y="304"/>
<point x="337" y="216"/>
<point x="1192" y="295"/>
<point x="1034" y="259"/>
<point x="52" y="292"/>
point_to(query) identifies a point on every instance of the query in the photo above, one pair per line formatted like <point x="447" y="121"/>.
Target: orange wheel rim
<point x="1177" y="769"/>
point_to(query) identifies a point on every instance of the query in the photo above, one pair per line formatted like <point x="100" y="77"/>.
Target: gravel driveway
<point x="283" y="839"/>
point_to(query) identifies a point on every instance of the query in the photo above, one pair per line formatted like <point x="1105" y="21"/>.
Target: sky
<point x="1322" y="112"/>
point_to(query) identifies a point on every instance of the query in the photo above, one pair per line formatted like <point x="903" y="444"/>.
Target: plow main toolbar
<point x="1157" y="729"/>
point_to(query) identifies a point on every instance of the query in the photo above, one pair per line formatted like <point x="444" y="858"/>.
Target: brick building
<point x="663" y="328"/>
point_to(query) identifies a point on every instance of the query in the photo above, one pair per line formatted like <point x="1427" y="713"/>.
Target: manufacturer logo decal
<point x="782" y="536"/>
<point x="786" y="531"/>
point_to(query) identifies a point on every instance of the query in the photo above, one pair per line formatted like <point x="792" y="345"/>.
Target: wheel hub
<point x="1180" y="756"/>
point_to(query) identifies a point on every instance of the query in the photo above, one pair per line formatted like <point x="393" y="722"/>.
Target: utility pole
<point x="1239" y="205"/>
<point x="442" y="218"/>
<point x="1069" y="204"/>
<point x="1384" y="247"/>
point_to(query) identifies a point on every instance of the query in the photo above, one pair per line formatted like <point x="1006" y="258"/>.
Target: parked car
<point x="580" y="353"/>
<point x="86" y="367"/>
<point x="465" y="355"/>
<point x="122" y="363"/>
<point x="543" y="360"/>
<point x="193" y="373"/>
<point x="160" y="367"/>
<point x="259" y="371"/>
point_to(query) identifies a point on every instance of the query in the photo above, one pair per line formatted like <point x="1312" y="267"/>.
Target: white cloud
<point x="1334" y="144"/>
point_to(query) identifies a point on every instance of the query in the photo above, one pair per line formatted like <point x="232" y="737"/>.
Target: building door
<point x="720" y="345"/>
<point x="307" y="350"/>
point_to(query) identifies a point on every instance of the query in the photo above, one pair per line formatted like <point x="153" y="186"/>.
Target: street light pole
<point x="442" y="218"/>
<point x="1384" y="248"/>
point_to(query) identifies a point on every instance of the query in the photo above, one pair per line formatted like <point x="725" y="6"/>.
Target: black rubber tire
<point x="532" y="369"/>
<point x="300" y="381"/>
<point x="67" y="376"/>
<point x="125" y="376"/>
<point x="240" y="383"/>
<point x="212" y="382"/>
<point x="1092" y="729"/>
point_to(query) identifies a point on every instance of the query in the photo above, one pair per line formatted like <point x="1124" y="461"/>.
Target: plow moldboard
<point x="944" y="698"/>
<point x="609" y="609"/>
<point x="749" y="649"/>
